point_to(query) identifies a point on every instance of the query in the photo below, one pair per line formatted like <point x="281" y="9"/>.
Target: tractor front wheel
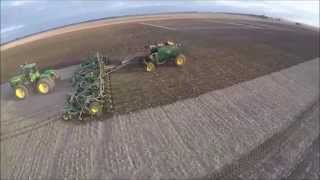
<point x="45" y="85"/>
<point x="150" y="67"/>
<point x="180" y="60"/>
<point x="21" y="92"/>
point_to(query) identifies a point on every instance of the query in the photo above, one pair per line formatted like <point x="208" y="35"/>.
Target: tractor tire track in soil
<point x="28" y="128"/>
<point x="267" y="155"/>
<point x="308" y="167"/>
<point x="36" y="114"/>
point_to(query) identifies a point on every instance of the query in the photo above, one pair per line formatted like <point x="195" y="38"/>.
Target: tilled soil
<point x="219" y="54"/>
<point x="278" y="156"/>
<point x="217" y="58"/>
<point x="309" y="165"/>
<point x="190" y="138"/>
<point x="187" y="139"/>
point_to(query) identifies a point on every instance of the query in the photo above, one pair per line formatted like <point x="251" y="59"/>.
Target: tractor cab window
<point x="27" y="73"/>
<point x="160" y="44"/>
<point x="169" y="43"/>
<point x="31" y="72"/>
<point x="153" y="48"/>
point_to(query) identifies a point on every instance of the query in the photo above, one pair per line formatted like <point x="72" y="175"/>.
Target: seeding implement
<point x="31" y="78"/>
<point x="92" y="88"/>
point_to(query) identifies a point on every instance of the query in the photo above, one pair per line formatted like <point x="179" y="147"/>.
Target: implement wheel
<point x="21" y="92"/>
<point x="150" y="67"/>
<point x="66" y="117"/>
<point x="95" y="108"/>
<point x="180" y="60"/>
<point x="45" y="85"/>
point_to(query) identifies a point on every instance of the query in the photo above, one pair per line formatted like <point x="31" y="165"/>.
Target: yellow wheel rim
<point x="94" y="109"/>
<point x="180" y="61"/>
<point x="149" y="67"/>
<point x="20" y="93"/>
<point x="43" y="88"/>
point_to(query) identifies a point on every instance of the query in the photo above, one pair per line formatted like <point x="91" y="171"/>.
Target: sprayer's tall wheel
<point x="45" y="85"/>
<point x="180" y="60"/>
<point x="21" y="92"/>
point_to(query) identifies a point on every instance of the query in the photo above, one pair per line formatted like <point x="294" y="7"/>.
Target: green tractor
<point x="163" y="53"/>
<point x="30" y="77"/>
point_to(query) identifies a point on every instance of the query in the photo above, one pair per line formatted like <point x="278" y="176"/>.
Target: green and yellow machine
<point x="163" y="53"/>
<point x="31" y="78"/>
<point x="92" y="91"/>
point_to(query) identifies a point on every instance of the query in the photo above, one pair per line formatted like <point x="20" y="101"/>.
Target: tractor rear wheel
<point x="21" y="92"/>
<point x="150" y="67"/>
<point x="180" y="60"/>
<point x="45" y="85"/>
<point x="95" y="108"/>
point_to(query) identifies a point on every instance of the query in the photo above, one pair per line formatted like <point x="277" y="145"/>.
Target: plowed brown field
<point x="246" y="80"/>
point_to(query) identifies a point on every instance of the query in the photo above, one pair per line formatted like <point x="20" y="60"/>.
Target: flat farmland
<point x="246" y="82"/>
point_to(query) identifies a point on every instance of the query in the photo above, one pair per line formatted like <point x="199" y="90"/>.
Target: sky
<point x="21" y="18"/>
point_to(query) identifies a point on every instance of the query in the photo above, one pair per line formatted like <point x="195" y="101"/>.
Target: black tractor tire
<point x="180" y="60"/>
<point x="21" y="92"/>
<point x="45" y="85"/>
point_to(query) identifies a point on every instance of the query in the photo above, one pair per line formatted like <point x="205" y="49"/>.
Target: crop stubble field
<point x="190" y="138"/>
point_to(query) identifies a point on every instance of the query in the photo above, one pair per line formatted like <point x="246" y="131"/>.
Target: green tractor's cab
<point x="162" y="53"/>
<point x="31" y="77"/>
<point x="30" y="71"/>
